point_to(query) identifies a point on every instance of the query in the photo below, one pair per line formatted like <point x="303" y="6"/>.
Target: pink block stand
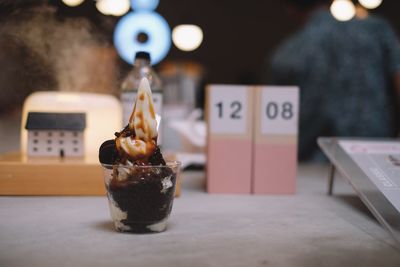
<point x="229" y="166"/>
<point x="275" y="169"/>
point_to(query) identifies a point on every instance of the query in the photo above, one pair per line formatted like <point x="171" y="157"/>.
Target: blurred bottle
<point x="129" y="88"/>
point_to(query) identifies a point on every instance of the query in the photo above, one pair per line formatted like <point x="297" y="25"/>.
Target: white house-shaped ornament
<point x="56" y="134"/>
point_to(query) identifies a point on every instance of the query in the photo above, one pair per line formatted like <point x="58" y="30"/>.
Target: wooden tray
<point x="52" y="177"/>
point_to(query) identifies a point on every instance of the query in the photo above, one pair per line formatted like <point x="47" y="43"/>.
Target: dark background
<point x="239" y="36"/>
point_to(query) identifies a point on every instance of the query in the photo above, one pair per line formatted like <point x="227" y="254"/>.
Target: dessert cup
<point x="140" y="197"/>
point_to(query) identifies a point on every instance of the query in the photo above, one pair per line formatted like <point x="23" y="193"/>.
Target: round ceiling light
<point x="142" y="31"/>
<point x="370" y="4"/>
<point x="187" y="37"/>
<point x="73" y="2"/>
<point x="113" y="7"/>
<point x="343" y="10"/>
<point x="140" y="5"/>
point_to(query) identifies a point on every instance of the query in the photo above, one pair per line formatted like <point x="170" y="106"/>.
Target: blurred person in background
<point x="348" y="73"/>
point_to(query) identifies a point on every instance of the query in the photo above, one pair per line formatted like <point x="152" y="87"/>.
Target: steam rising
<point x="67" y="54"/>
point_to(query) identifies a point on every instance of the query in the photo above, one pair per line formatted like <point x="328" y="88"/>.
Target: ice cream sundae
<point x="140" y="183"/>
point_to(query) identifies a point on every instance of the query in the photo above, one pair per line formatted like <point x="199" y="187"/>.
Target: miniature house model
<point x="55" y="134"/>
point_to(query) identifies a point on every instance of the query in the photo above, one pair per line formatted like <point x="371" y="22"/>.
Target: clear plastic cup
<point x="141" y="197"/>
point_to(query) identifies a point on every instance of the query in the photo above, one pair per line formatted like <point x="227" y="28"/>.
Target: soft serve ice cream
<point x="140" y="185"/>
<point x="138" y="141"/>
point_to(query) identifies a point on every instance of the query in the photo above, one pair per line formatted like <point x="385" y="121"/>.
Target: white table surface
<point x="306" y="229"/>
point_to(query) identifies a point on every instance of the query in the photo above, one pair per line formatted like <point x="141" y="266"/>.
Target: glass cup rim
<point x="169" y="164"/>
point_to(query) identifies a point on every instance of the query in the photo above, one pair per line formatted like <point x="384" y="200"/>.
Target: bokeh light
<point x="133" y="26"/>
<point x="370" y="4"/>
<point x="141" y="5"/>
<point x="187" y="37"/>
<point x="343" y="10"/>
<point x="113" y="7"/>
<point x="73" y="3"/>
